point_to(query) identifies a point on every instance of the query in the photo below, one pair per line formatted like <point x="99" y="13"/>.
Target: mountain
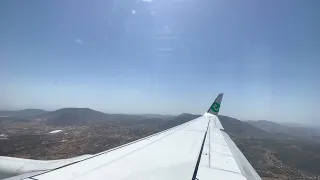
<point x="176" y="120"/>
<point x="72" y="116"/>
<point x="10" y="119"/>
<point x="236" y="127"/>
<point x="269" y="126"/>
<point x="80" y="116"/>
<point x="157" y="116"/>
<point x="22" y="113"/>
<point x="276" y="128"/>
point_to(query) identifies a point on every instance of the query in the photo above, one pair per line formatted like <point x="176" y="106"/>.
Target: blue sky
<point x="163" y="56"/>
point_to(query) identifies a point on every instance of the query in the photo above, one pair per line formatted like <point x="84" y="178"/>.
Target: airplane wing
<point x="197" y="150"/>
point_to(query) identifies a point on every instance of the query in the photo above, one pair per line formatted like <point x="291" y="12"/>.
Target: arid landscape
<point x="275" y="151"/>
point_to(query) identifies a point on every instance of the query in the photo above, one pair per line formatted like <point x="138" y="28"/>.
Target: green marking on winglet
<point x="215" y="107"/>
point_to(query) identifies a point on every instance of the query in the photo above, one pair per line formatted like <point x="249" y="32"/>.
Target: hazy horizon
<point x="163" y="57"/>
<point x="288" y="123"/>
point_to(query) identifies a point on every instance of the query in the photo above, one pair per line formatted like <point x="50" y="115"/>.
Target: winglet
<point x="215" y="107"/>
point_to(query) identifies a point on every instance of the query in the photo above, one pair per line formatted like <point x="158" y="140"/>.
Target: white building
<point x="3" y="136"/>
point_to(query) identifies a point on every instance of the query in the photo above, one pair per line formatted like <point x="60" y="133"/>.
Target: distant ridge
<point x="234" y="126"/>
<point x="276" y="128"/>
<point x="81" y="116"/>
<point x="22" y="113"/>
<point x="72" y="116"/>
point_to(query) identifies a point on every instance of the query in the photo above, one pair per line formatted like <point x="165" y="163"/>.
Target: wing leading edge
<point x="198" y="149"/>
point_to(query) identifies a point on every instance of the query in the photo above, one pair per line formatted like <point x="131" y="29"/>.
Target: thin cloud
<point x="79" y="41"/>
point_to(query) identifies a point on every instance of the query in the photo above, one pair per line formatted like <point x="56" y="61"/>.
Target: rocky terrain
<point x="36" y="136"/>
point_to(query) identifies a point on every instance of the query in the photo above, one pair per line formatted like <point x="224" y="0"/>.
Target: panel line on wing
<point x="194" y="130"/>
<point x="221" y="169"/>
<point x="218" y="153"/>
<point x="194" y="177"/>
<point x="33" y="178"/>
<point x="218" y="144"/>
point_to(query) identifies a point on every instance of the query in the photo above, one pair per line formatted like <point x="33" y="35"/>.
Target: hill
<point x="13" y="119"/>
<point x="73" y="116"/>
<point x="235" y="127"/>
<point x="280" y="129"/>
<point x="180" y="119"/>
<point x="22" y="113"/>
<point x="81" y="116"/>
<point x="69" y="116"/>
